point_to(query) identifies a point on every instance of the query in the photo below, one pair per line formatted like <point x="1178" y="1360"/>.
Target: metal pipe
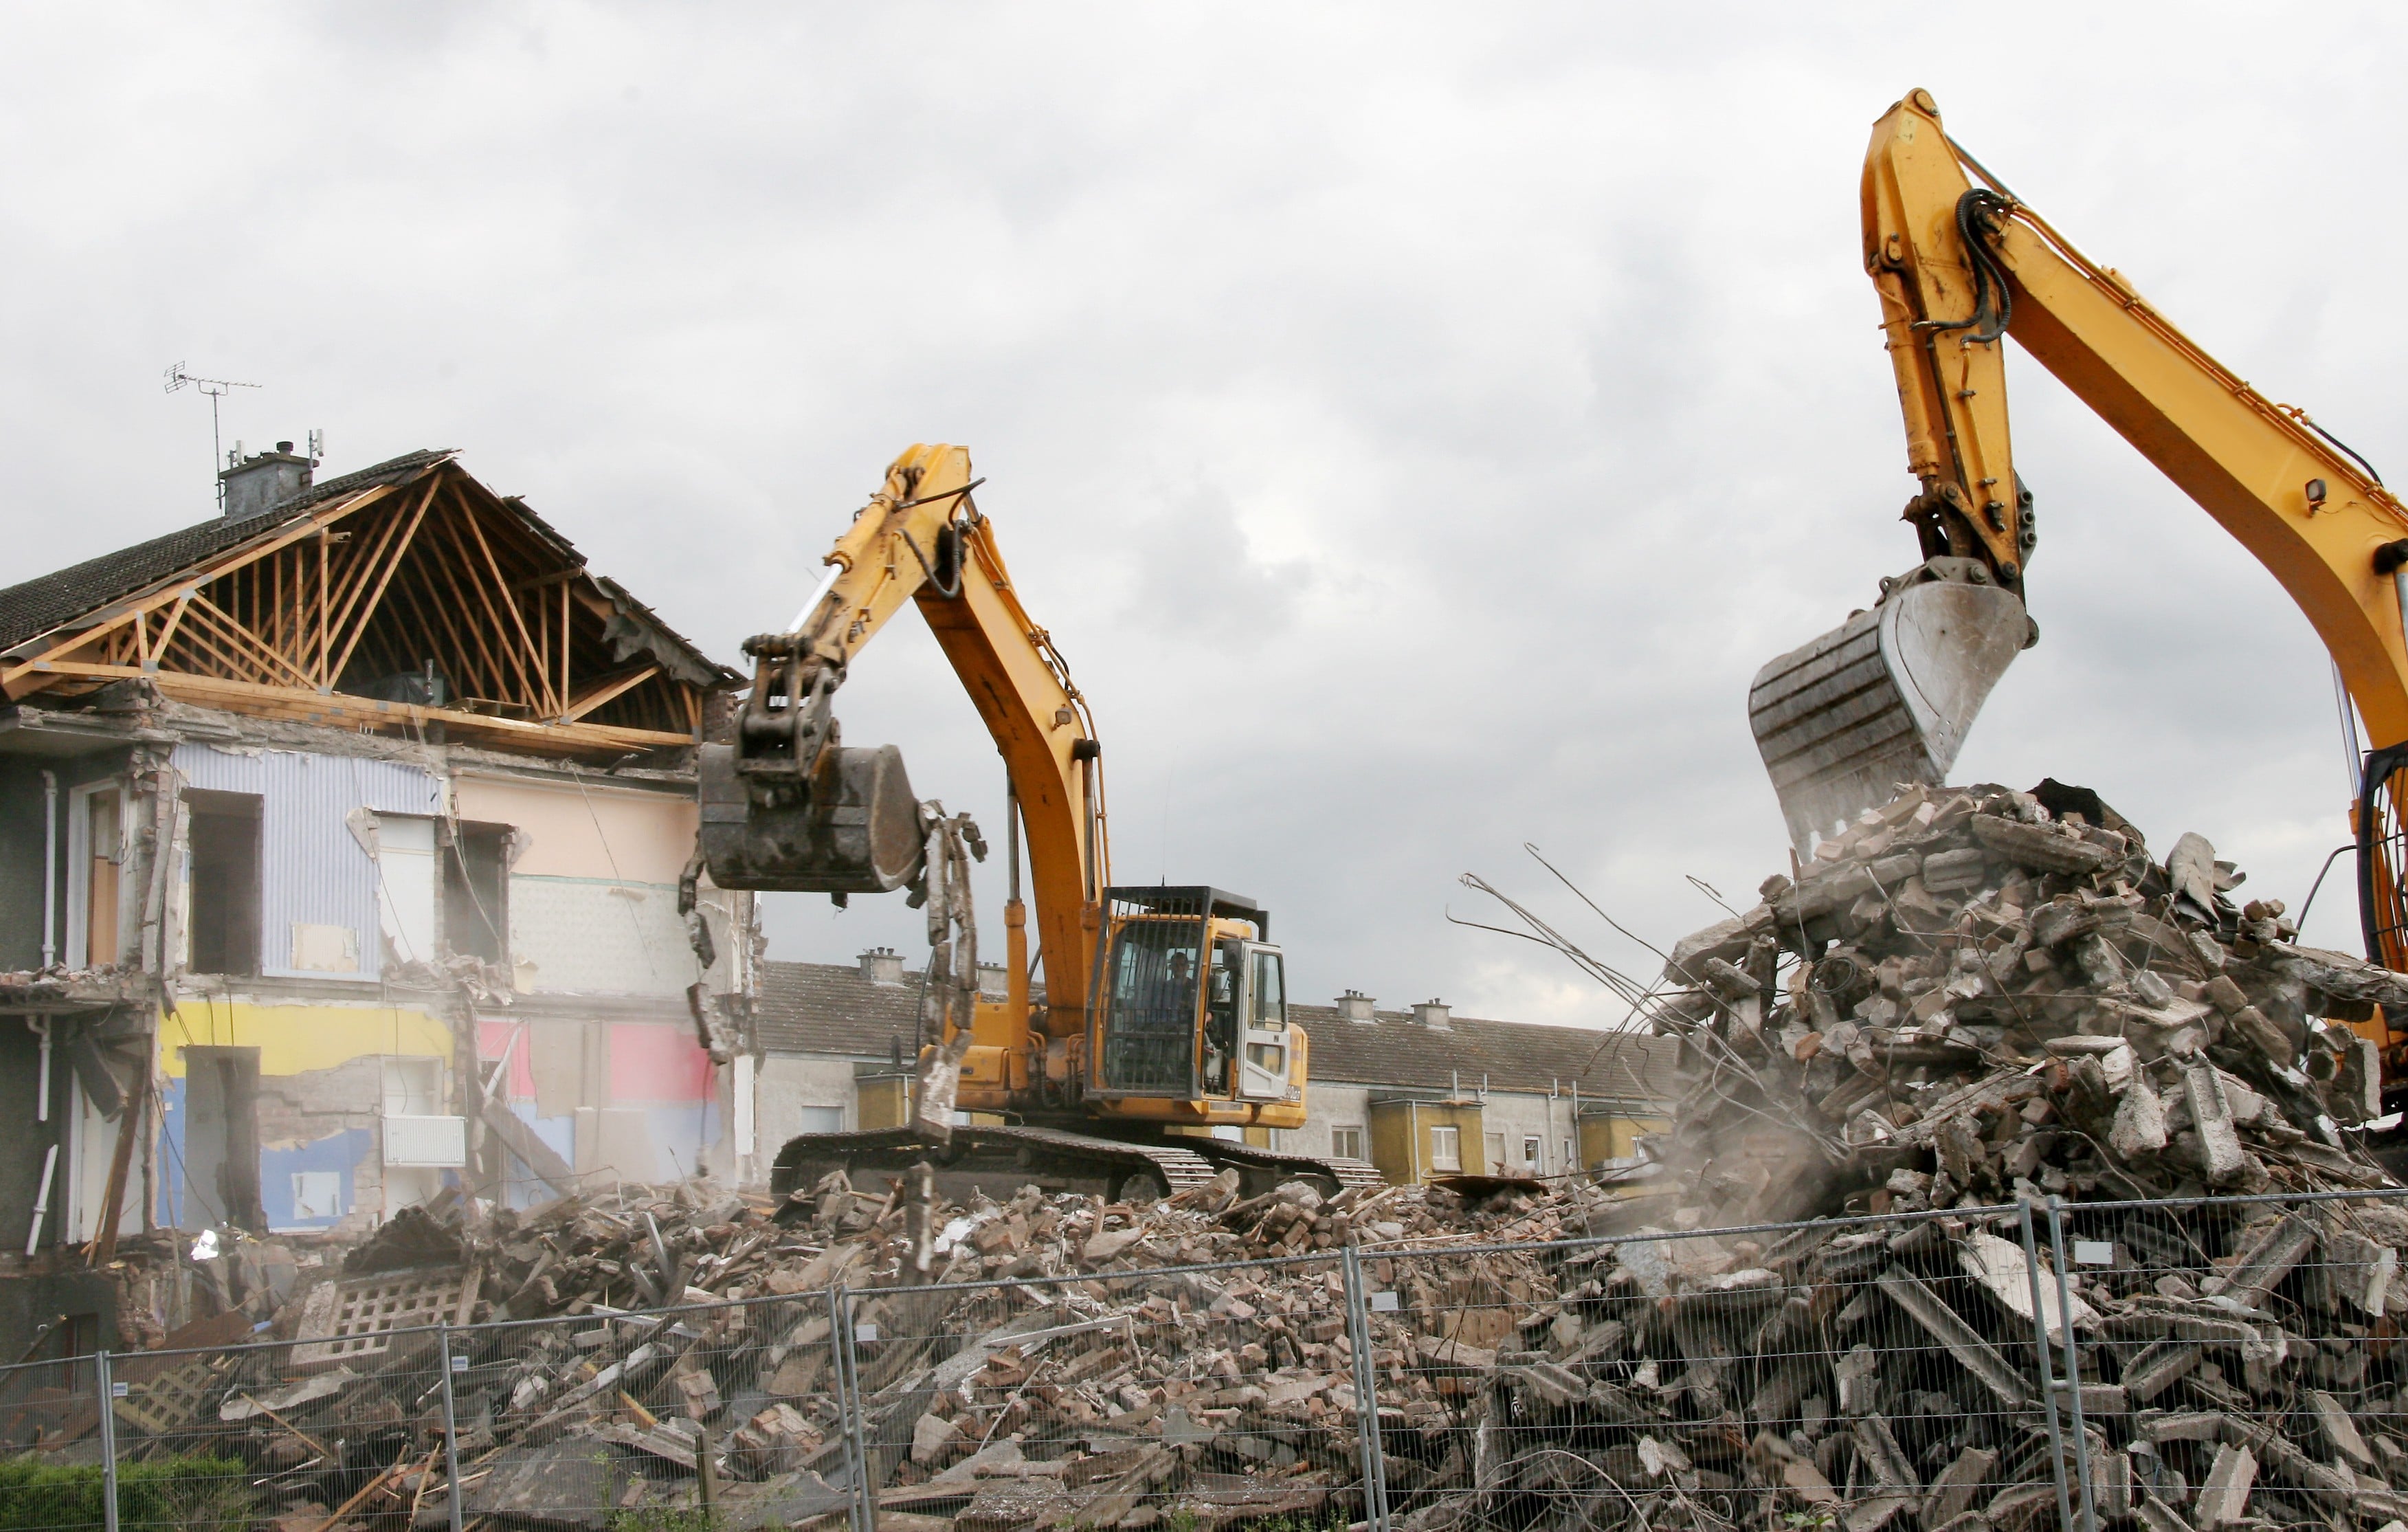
<point x="42" y="1202"/>
<point x="40" y="1026"/>
<point x="1367" y="1398"/>
<point x="49" y="868"/>
<point x="819" y="593"/>
<point x="450" y="1422"/>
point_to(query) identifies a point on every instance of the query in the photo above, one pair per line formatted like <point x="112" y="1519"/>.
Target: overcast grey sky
<point x="1414" y="422"/>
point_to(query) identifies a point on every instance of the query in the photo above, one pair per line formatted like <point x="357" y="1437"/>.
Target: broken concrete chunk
<point x="2224" y="1498"/>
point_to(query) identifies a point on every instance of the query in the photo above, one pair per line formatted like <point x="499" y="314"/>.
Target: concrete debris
<point x="2007" y="1001"/>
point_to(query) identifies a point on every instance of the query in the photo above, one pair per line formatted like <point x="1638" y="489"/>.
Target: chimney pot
<point x="1355" y="1006"/>
<point x="1433" y="1014"/>
<point x="284" y="447"/>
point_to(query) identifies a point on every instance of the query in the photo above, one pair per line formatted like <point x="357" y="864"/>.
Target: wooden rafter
<point x="431" y="570"/>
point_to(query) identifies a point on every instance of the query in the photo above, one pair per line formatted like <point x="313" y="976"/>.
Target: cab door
<point x="1263" y="1043"/>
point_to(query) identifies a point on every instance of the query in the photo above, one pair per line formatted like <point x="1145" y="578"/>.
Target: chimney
<point x="1432" y="1014"/>
<point x="259" y="484"/>
<point x="994" y="980"/>
<point x="882" y="965"/>
<point x="1355" y="1006"/>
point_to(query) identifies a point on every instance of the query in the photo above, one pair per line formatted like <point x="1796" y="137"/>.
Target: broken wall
<point x="319" y="915"/>
<point x="321" y="1103"/>
<point x="593" y="882"/>
<point x="614" y="1099"/>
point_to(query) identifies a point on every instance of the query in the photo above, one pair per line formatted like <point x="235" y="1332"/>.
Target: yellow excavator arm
<point x="1957" y="265"/>
<point x="1960" y="266"/>
<point x="1192" y="1028"/>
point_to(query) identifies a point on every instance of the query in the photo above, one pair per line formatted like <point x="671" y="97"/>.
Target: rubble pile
<point x="629" y="1382"/>
<point x="1975" y="995"/>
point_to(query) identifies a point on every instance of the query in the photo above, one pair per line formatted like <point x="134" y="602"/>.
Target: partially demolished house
<point x="340" y="838"/>
<point x="1420" y="1093"/>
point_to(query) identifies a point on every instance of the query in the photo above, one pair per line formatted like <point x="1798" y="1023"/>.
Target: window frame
<point x="1446" y="1148"/>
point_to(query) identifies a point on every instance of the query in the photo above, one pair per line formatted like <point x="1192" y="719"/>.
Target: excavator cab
<point x="1191" y="1001"/>
<point x="1886" y="697"/>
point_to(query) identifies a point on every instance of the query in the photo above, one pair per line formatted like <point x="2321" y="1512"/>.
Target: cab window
<point x="1270" y="996"/>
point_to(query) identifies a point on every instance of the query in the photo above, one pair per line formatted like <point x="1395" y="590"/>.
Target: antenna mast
<point x="216" y="388"/>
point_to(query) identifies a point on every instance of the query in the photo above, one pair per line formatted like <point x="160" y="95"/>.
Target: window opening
<point x="1446" y="1149"/>
<point x="476" y="891"/>
<point x="223" y="911"/>
<point x="1346" y="1143"/>
<point x="107" y="851"/>
<point x="1533" y="1150"/>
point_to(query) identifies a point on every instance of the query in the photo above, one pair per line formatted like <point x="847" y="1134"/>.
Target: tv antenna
<point x="216" y="388"/>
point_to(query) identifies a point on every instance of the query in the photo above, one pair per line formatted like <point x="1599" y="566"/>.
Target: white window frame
<point x="1446" y="1148"/>
<point x="1534" y="1151"/>
<point x="1339" y="1146"/>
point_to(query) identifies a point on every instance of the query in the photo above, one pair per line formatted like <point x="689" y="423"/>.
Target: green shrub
<point x="197" y="1494"/>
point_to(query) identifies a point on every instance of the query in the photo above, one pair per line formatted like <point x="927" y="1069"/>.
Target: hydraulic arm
<point x="1959" y="266"/>
<point x="1163" y="1008"/>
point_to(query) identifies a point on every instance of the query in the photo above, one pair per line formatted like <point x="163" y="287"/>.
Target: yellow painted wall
<point x="1606" y="1137"/>
<point x="883" y="1101"/>
<point x="1400" y="1139"/>
<point x="296" y="1040"/>
<point x="592" y="831"/>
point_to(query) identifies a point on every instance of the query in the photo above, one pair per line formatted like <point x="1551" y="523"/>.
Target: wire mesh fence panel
<point x="49" y="1424"/>
<point x="1881" y="1373"/>
<point x="2243" y="1356"/>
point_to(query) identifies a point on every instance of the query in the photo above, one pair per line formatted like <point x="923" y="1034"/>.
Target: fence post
<point x="106" y="1388"/>
<point x="2040" y="1349"/>
<point x="1366" y="1397"/>
<point x="450" y="1422"/>
<point x="848" y="1409"/>
<point x="2072" y="1365"/>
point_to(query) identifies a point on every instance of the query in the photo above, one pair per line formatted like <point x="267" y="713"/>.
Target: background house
<point x="339" y="846"/>
<point x="1419" y="1093"/>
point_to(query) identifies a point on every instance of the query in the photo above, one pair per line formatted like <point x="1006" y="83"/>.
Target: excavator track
<point x="997" y="1160"/>
<point x="1258" y="1164"/>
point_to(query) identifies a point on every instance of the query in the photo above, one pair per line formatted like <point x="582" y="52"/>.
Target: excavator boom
<point x="1888" y="698"/>
<point x="1163" y="1008"/>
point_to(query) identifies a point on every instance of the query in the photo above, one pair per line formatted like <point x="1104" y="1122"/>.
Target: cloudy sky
<point x="1416" y="422"/>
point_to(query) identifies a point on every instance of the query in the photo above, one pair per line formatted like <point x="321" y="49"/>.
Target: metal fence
<point x="2222" y="1362"/>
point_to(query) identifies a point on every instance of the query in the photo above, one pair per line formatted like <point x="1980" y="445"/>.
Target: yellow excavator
<point x="1164" y="1012"/>
<point x="1886" y="697"/>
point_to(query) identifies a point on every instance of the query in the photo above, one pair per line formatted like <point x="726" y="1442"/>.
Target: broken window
<point x="94" y="942"/>
<point x="222" y="921"/>
<point x="1446" y="1149"/>
<point x="1496" y="1166"/>
<point x="476" y="891"/>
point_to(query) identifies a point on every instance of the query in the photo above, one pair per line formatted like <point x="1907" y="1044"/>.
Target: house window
<point x="476" y="891"/>
<point x="1446" y="1149"/>
<point x="98" y="851"/>
<point x="223" y="867"/>
<point x="1346" y="1143"/>
<point x="1534" y="1149"/>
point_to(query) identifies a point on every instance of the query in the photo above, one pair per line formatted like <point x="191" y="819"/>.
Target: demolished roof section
<point x="399" y="597"/>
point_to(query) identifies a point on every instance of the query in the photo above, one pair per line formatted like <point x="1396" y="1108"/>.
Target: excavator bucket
<point x="1885" y="698"/>
<point x="855" y="829"/>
